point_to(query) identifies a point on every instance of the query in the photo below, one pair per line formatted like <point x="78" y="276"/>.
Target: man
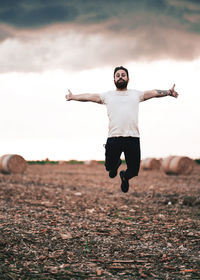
<point x="122" y="107"/>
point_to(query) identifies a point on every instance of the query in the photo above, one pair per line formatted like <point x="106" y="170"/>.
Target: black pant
<point x="131" y="148"/>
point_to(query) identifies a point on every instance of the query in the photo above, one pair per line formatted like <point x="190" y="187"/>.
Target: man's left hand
<point x="173" y="92"/>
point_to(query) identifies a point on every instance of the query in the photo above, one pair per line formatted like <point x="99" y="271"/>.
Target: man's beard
<point x="121" y="84"/>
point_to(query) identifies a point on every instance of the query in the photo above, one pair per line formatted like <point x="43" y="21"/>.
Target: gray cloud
<point x="25" y="15"/>
<point x="38" y="13"/>
<point x="74" y="35"/>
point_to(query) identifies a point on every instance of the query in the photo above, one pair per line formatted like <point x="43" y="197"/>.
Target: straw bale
<point x="150" y="164"/>
<point x="12" y="163"/>
<point x="165" y="164"/>
<point x="91" y="162"/>
<point x="62" y="162"/>
<point x="181" y="165"/>
<point x="178" y="165"/>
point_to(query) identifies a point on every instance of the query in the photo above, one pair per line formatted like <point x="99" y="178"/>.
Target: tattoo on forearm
<point x="162" y="92"/>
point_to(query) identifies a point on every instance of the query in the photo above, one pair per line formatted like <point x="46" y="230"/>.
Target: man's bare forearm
<point x="84" y="97"/>
<point x="81" y="97"/>
<point x="159" y="93"/>
<point x="162" y="93"/>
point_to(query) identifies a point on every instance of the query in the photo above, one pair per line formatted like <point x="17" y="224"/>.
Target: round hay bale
<point x="91" y="162"/>
<point x="150" y="164"/>
<point x="12" y="164"/>
<point x="178" y="165"/>
<point x="165" y="164"/>
<point x="181" y="165"/>
<point x="62" y="162"/>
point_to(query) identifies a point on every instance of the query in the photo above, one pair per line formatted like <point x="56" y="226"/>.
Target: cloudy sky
<point x="49" y="46"/>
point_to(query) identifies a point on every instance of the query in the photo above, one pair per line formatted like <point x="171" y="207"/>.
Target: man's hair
<point x="121" y="68"/>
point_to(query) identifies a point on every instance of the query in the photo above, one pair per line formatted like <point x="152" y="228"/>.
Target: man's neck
<point x="124" y="89"/>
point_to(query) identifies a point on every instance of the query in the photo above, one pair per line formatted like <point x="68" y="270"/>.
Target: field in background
<point x="73" y="161"/>
<point x="70" y="221"/>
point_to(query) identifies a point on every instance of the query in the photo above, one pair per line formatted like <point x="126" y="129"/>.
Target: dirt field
<point x="73" y="222"/>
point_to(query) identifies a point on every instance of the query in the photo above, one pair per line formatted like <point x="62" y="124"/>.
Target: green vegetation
<point x="42" y="162"/>
<point x="46" y="161"/>
<point x="72" y="161"/>
<point x="197" y="160"/>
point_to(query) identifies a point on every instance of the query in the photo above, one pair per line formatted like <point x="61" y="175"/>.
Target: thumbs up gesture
<point x="69" y="95"/>
<point x="172" y="92"/>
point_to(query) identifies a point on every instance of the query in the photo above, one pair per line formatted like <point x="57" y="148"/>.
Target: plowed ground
<point x="73" y="222"/>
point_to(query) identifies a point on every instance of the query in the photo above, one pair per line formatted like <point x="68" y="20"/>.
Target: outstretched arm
<point x="160" y="93"/>
<point x="83" y="97"/>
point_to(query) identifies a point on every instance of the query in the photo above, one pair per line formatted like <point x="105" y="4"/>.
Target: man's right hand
<point x="83" y="97"/>
<point x="69" y="95"/>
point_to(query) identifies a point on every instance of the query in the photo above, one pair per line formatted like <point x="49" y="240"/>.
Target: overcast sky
<point x="48" y="46"/>
<point x="99" y="33"/>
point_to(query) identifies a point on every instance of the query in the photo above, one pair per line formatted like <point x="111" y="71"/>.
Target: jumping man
<point x="123" y="136"/>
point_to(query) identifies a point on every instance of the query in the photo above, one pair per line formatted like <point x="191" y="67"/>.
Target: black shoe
<point x="125" y="183"/>
<point x="113" y="173"/>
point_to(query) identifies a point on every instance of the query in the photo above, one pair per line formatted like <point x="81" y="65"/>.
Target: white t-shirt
<point x="122" y="109"/>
